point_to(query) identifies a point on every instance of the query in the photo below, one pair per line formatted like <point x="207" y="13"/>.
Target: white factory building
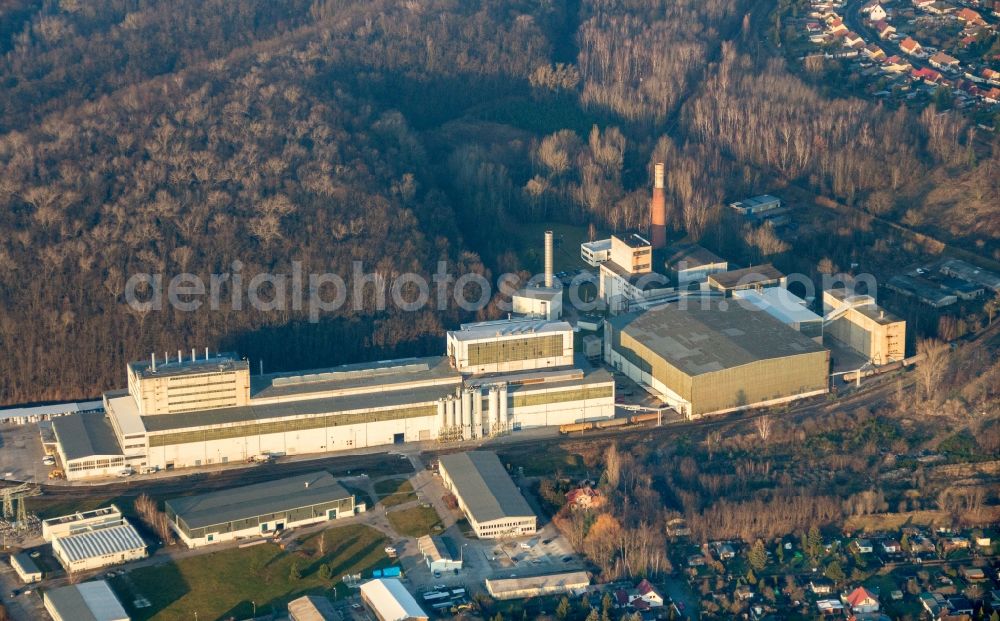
<point x="389" y="600"/>
<point x="93" y="539"/>
<point x="487" y="495"/>
<point x="499" y="377"/>
<point x="540" y="301"/>
<point x="89" y="601"/>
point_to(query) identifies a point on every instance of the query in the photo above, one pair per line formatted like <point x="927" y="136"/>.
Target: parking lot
<point x="21" y="454"/>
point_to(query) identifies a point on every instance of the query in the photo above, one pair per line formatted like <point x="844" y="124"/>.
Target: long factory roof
<point x="485" y="487"/>
<point x="704" y="338"/>
<point x="85" y="434"/>
<point x="508" y="328"/>
<point x="190" y="366"/>
<point x="354" y="377"/>
<point x="249" y="501"/>
<point x="305" y="407"/>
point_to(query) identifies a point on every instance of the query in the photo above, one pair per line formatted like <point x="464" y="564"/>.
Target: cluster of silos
<point x="463" y="416"/>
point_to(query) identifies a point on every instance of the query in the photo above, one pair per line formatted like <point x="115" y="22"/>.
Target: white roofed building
<point x="389" y="600"/>
<point x="89" y="601"/>
<point x="95" y="539"/>
<point x="510" y="345"/>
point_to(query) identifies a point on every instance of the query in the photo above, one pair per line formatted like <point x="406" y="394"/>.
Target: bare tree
<point x="932" y="367"/>
<point x="763" y="424"/>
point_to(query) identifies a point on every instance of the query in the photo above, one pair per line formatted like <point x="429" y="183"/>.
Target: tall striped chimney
<point x="658" y="209"/>
<point x="548" y="258"/>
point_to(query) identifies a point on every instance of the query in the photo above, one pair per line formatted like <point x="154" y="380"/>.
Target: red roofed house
<point x="837" y="25"/>
<point x="927" y="75"/>
<point x="992" y="95"/>
<point x="862" y="600"/>
<point x="583" y="498"/>
<point x="910" y="46"/>
<point x="970" y="16"/>
<point x="991" y="76"/>
<point x="648" y="593"/>
<point x="942" y="61"/>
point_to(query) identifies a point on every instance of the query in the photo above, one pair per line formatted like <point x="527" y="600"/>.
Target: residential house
<point x="584" y="498"/>
<point x="873" y="51"/>
<point x="885" y="29"/>
<point x="891" y="546"/>
<point x="725" y="551"/>
<point x="853" y="39"/>
<point x="821" y="586"/>
<point x="895" y="64"/>
<point x="830" y="607"/>
<point x="992" y="95"/>
<point x="877" y="13"/>
<point x="933" y="603"/>
<point x="961" y="606"/>
<point x="861" y="600"/>
<point x="973" y="574"/>
<point x="862" y="546"/>
<point x="696" y="560"/>
<point x="743" y="593"/>
<point x="677" y="527"/>
<point x="951" y="544"/>
<point x="837" y="26"/>
<point x="943" y="61"/>
<point x="928" y="76"/>
<point x="991" y="76"/>
<point x="648" y="593"/>
<point x="970" y="17"/>
<point x="923" y="4"/>
<point x="910" y="46"/>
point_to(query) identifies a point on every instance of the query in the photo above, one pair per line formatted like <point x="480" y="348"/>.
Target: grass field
<point x="415" y="521"/>
<point x="392" y="492"/>
<point x="536" y="464"/>
<point x="223" y="584"/>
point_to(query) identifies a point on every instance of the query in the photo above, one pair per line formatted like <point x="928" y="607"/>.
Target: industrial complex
<point x="701" y="335"/>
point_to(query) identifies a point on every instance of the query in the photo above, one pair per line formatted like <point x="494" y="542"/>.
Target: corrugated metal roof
<point x="85" y="434"/>
<point x="56" y="409"/>
<point x="508" y="328"/>
<point x="25" y="562"/>
<point x="484" y="485"/>
<point x="89" y="601"/>
<point x="763" y="273"/>
<point x="100" y="542"/>
<point x="355" y="377"/>
<point x="391" y="600"/>
<point x="250" y="501"/>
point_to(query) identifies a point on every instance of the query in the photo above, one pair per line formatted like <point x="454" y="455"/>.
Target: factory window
<point x="500" y="351"/>
<point x="562" y="396"/>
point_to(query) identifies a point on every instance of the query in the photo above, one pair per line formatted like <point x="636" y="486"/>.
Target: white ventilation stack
<point x="192" y="355"/>
<point x="548" y="259"/>
<point x="206" y="353"/>
<point x="152" y="357"/>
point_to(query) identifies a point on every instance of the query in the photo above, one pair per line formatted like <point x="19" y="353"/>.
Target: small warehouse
<point x="312" y="608"/>
<point x="487" y="495"/>
<point x="438" y="554"/>
<point x="756" y="277"/>
<point x="260" y="509"/>
<point x="89" y="601"/>
<point x="99" y="546"/>
<point x="536" y="586"/>
<point x="25" y="568"/>
<point x="389" y="600"/>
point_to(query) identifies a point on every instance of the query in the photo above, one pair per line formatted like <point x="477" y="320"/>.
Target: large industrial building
<point x="510" y="346"/>
<point x="487" y="495"/>
<point x="857" y="322"/>
<point x="93" y="539"/>
<point x="714" y="356"/>
<point x="260" y="509"/>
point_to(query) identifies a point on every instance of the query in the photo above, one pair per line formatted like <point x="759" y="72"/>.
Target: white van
<point x="125" y="472"/>
<point x="148" y="469"/>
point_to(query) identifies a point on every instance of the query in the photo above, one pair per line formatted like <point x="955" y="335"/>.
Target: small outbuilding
<point x="25" y="568"/>
<point x="389" y="600"/>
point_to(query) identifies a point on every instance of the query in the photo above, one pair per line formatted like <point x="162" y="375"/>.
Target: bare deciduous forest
<point x="183" y="136"/>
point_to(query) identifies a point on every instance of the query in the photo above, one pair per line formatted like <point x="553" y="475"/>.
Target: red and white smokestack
<point x="658" y="209"/>
<point x="548" y="258"/>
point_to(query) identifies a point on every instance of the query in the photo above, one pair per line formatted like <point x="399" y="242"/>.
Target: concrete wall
<point x="321" y="440"/>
